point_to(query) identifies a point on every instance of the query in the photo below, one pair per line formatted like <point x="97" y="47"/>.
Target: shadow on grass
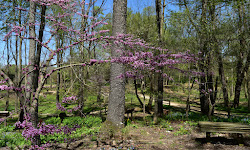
<point x="217" y="140"/>
<point x="224" y="141"/>
<point x="219" y="143"/>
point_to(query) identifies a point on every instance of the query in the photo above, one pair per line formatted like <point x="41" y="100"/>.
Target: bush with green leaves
<point x="182" y="131"/>
<point x="11" y="138"/>
<point x="89" y="125"/>
<point x="53" y="120"/>
<point x="88" y="121"/>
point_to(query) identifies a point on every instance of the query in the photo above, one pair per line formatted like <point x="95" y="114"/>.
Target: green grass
<point x="241" y="110"/>
<point x="182" y="131"/>
<point x="11" y="138"/>
<point x="243" y="99"/>
<point x="48" y="104"/>
<point x="89" y="125"/>
<point x="195" y="117"/>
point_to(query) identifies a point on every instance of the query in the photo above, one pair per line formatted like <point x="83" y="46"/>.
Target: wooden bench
<point x="223" y="127"/>
<point x="4" y="114"/>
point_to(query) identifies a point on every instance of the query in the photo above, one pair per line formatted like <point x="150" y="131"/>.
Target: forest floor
<point x="169" y="135"/>
<point x="156" y="138"/>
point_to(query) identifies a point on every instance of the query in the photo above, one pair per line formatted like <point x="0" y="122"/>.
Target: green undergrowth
<point x="87" y="126"/>
<point x="10" y="138"/>
<point x="241" y="110"/>
<point x="195" y="117"/>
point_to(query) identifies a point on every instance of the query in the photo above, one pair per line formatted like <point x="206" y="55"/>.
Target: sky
<point x="136" y="5"/>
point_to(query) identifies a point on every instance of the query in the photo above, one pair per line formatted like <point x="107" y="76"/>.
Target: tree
<point x="116" y="104"/>
<point x="248" y="91"/>
<point x="244" y="52"/>
<point x="216" y="49"/>
<point x="158" y="76"/>
<point x="138" y="56"/>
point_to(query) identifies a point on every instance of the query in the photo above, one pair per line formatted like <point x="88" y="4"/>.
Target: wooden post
<point x="208" y="137"/>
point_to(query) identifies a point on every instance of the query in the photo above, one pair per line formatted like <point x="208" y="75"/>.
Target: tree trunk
<point x="216" y="89"/>
<point x="160" y="95"/>
<point x="116" y="105"/>
<point x="39" y="47"/>
<point x="20" y="69"/>
<point x="99" y="89"/>
<point x="136" y="93"/>
<point x="219" y="55"/>
<point x="241" y="68"/>
<point x="81" y="90"/>
<point x="8" y="73"/>
<point x="149" y="106"/>
<point x="245" y="87"/>
<point x="210" y="85"/>
<point x="81" y="70"/>
<point x="203" y="52"/>
<point x="159" y="79"/>
<point x="189" y="89"/>
<point x="58" y="77"/>
<point x="33" y="110"/>
<point x="223" y="80"/>
<point x="248" y="91"/>
<point x="238" y="84"/>
<point x="16" y="49"/>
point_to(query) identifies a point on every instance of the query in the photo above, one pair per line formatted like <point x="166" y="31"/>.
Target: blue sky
<point x="136" y="5"/>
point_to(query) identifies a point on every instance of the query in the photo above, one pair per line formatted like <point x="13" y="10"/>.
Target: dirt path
<point x="218" y="113"/>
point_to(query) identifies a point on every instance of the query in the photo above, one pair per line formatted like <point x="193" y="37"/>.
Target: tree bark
<point x="16" y="50"/>
<point x="248" y="91"/>
<point x="8" y="71"/>
<point x="159" y="79"/>
<point x="203" y="52"/>
<point x="243" y="51"/>
<point x="58" y="77"/>
<point x="222" y="77"/>
<point x="149" y="106"/>
<point x="210" y="84"/>
<point x="245" y="87"/>
<point x="21" y="100"/>
<point x="189" y="89"/>
<point x="81" y="69"/>
<point x="116" y="105"/>
<point x="33" y="110"/>
<point x="39" y="47"/>
<point x="136" y="93"/>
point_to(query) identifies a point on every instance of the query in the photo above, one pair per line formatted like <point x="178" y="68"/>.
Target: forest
<point x="124" y="74"/>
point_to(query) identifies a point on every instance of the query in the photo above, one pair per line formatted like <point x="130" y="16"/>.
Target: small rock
<point x="62" y="145"/>
<point x="75" y="144"/>
<point x="4" y="148"/>
<point x="94" y="146"/>
<point x="113" y="143"/>
<point x="121" y="145"/>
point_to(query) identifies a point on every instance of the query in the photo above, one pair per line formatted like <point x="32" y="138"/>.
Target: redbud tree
<point x="139" y="57"/>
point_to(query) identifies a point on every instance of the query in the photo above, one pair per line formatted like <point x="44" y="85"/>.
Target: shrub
<point x="11" y="139"/>
<point x="53" y="120"/>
